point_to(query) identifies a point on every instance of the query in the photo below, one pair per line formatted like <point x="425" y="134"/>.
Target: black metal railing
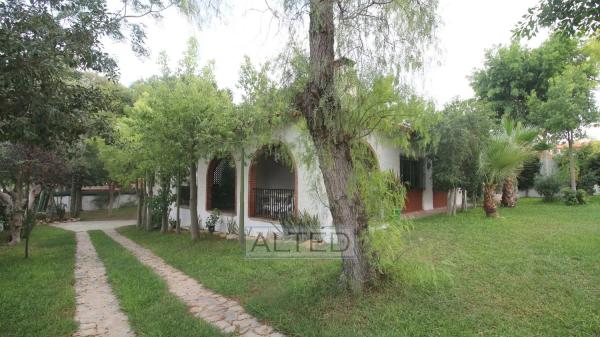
<point x="273" y="203"/>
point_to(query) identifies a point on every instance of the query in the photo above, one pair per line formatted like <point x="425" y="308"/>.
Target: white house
<point x="273" y="189"/>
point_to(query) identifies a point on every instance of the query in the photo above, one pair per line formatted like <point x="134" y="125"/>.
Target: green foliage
<point x="505" y="151"/>
<point x="176" y="119"/>
<point x="588" y="164"/>
<point x="388" y="253"/>
<point x="160" y="203"/>
<point x="526" y="178"/>
<point x="582" y="197"/>
<point x="571" y="198"/>
<point x="303" y="226"/>
<point x="569" y="106"/>
<point x="464" y="127"/>
<point x="512" y="73"/>
<point x="548" y="186"/>
<point x="232" y="226"/>
<point x="569" y="17"/>
<point x="213" y="219"/>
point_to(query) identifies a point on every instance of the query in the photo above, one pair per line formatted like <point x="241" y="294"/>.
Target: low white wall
<point x="88" y="201"/>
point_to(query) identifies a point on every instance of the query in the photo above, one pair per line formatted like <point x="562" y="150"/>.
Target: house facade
<point x="286" y="178"/>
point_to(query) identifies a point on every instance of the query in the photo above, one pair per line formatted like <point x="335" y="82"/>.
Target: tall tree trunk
<point x="194" y="226"/>
<point x="319" y="106"/>
<point x="111" y="197"/>
<point x="140" y="201"/>
<point x="144" y="203"/>
<point x="165" y="181"/>
<point x="465" y="200"/>
<point x="178" y="203"/>
<point x="149" y="197"/>
<point x="73" y="198"/>
<point x="17" y="216"/>
<point x="449" y="202"/>
<point x="572" y="172"/>
<point x="34" y="190"/>
<point x="509" y="196"/>
<point x="349" y="215"/>
<point x="489" y="204"/>
<point x="79" y="194"/>
<point x="242" y="200"/>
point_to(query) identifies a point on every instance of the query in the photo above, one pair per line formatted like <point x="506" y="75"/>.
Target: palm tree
<point x="524" y="137"/>
<point x="502" y="157"/>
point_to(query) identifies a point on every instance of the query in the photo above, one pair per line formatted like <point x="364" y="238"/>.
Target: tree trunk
<point x="194" y="226"/>
<point x="73" y="198"/>
<point x="144" y="203"/>
<point x="242" y="198"/>
<point x="17" y="216"/>
<point x="178" y="203"/>
<point x="489" y="204"/>
<point x="349" y="216"/>
<point x="149" y="197"/>
<point x="165" y="181"/>
<point x="111" y="197"/>
<point x="449" y="202"/>
<point x="79" y="194"/>
<point x="509" y="196"/>
<point x="465" y="201"/>
<point x="319" y="106"/>
<point x="572" y="162"/>
<point x="140" y="201"/>
<point x="34" y="190"/>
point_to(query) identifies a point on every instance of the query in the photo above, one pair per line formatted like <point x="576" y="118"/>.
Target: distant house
<point x="280" y="180"/>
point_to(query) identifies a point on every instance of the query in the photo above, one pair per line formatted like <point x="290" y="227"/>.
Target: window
<point x="184" y="194"/>
<point x="220" y="185"/>
<point x="411" y="173"/>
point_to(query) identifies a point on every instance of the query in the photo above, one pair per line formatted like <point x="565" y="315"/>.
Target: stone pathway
<point x="98" y="311"/>
<point x="225" y="314"/>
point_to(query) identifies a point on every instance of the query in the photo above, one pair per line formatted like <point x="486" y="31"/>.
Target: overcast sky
<point x="469" y="27"/>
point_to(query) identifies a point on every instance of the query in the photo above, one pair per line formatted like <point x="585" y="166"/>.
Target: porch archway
<point x="272" y="182"/>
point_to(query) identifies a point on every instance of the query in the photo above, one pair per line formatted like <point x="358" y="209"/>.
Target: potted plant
<point x="213" y="219"/>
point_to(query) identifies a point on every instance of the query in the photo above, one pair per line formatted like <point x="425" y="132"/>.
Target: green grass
<point x="533" y="272"/>
<point x="36" y="294"/>
<point x="144" y="297"/>
<point x="124" y="213"/>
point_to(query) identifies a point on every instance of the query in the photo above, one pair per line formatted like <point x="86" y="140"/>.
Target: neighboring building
<point x="276" y="187"/>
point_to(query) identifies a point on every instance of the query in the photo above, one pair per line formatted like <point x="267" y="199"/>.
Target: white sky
<point x="469" y="27"/>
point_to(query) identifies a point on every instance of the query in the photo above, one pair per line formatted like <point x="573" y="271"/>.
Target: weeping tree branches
<point x="381" y="38"/>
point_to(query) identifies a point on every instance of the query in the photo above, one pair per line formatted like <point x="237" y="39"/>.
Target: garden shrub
<point x="582" y="197"/>
<point x="547" y="186"/>
<point x="571" y="197"/>
<point x="232" y="226"/>
<point x="302" y="224"/>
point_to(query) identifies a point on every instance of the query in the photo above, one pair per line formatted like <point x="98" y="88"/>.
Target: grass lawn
<point x="533" y="272"/>
<point x="36" y="295"/>
<point x="124" y="213"/>
<point x="144" y="297"/>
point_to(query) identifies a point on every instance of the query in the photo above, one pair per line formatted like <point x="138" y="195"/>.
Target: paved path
<point x="98" y="311"/>
<point x="225" y="314"/>
<point x="83" y="226"/>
